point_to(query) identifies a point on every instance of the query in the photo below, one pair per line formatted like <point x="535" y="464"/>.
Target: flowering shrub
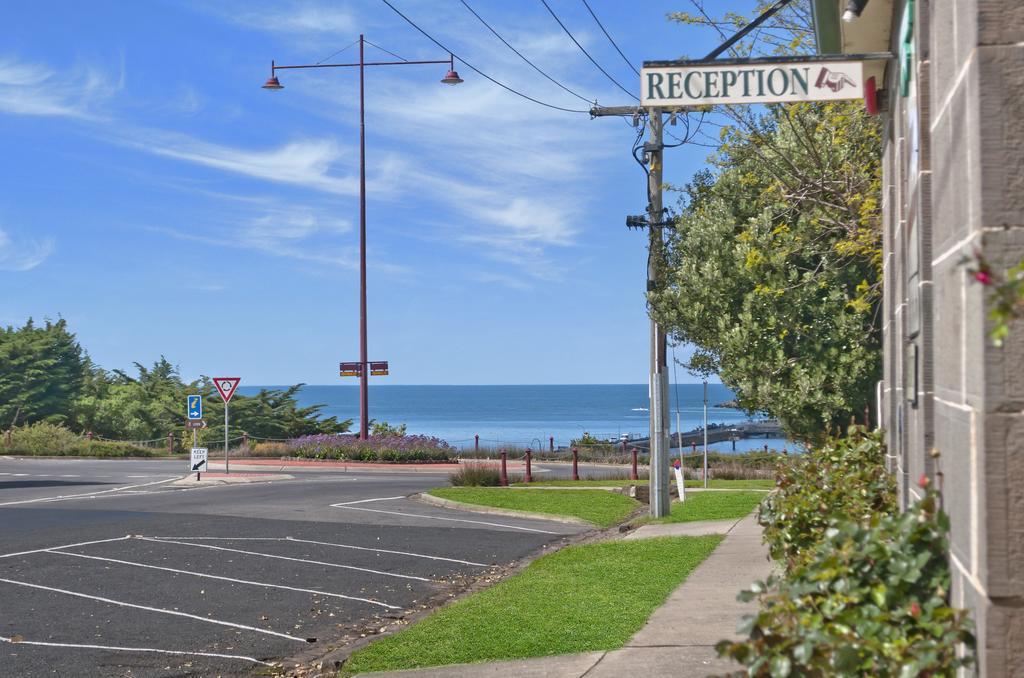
<point x="390" y="448"/>
<point x="844" y="478"/>
<point x="1006" y="299"/>
<point x="871" y="600"/>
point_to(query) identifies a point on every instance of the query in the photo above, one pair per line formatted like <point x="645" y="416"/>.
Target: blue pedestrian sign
<point x="195" y="407"/>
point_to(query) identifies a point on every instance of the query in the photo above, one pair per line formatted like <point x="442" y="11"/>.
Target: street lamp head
<point x="273" y="83"/>
<point x="451" y="78"/>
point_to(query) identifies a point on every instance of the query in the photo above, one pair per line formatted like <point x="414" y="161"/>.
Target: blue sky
<point x="163" y="203"/>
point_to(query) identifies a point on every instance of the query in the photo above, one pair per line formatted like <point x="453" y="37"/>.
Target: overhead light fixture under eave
<point x="853" y="10"/>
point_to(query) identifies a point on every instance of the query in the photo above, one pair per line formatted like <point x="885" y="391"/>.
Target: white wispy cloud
<point x="286" y="17"/>
<point x="306" y="163"/>
<point x="36" y="89"/>
<point x="23" y="254"/>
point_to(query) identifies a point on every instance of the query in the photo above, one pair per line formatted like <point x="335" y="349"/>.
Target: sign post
<point x="194" y="412"/>
<point x="198" y="460"/>
<point x="226" y="386"/>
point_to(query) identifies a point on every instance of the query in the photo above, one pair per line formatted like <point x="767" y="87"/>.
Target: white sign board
<point x="680" y="483"/>
<point x="197" y="463"/>
<point x="706" y="84"/>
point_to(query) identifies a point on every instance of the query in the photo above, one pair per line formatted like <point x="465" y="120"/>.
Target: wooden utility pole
<point x="658" y="376"/>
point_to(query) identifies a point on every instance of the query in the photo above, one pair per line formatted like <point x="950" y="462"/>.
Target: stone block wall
<point x="966" y="194"/>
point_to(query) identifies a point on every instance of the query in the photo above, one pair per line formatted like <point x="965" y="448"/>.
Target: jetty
<point x="716" y="433"/>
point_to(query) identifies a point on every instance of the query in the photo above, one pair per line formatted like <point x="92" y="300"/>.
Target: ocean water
<point x="527" y="415"/>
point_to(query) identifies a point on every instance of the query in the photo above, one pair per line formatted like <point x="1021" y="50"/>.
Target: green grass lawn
<point x="712" y="506"/>
<point x="714" y="483"/>
<point x="580" y="599"/>
<point x="596" y="506"/>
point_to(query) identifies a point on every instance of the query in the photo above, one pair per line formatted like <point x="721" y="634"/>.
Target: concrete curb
<point x="190" y="480"/>
<point x="511" y="513"/>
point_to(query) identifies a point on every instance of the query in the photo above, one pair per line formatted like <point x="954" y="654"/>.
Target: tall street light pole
<point x="273" y="84"/>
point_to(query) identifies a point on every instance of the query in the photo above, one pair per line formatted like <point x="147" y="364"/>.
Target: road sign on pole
<point x="194" y="407"/>
<point x="226" y="386"/>
<point x="197" y="460"/>
<point x="195" y="423"/>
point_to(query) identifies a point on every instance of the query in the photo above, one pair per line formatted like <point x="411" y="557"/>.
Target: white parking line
<point x="453" y="520"/>
<point x="326" y="543"/>
<point x="66" y="497"/>
<point x="365" y="501"/>
<point x="67" y="546"/>
<point x="83" y="646"/>
<point x="230" y="579"/>
<point x="297" y="560"/>
<point x="176" y="613"/>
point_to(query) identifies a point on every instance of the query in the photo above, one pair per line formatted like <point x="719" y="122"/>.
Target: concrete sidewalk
<point x="679" y="638"/>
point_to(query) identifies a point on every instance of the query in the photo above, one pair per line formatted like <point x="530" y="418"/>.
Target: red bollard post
<point x="476" y="443"/>
<point x="551" y="443"/>
<point x="575" y="464"/>
<point x="633" y="474"/>
<point x="170" y="443"/>
<point x="504" y="468"/>
<point x="529" y="468"/>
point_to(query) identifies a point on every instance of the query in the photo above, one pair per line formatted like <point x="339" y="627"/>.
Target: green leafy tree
<point x="773" y="270"/>
<point x="774" y="267"/>
<point x="42" y="370"/>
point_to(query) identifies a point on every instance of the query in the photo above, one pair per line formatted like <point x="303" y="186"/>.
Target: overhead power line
<point x="571" y="37"/>
<point x="520" y="54"/>
<point x="607" y="35"/>
<point x="476" y="70"/>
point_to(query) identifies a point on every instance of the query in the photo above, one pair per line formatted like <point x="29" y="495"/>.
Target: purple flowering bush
<point x="387" y="448"/>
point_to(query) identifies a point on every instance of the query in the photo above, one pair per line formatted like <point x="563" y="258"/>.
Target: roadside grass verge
<point x="712" y="506"/>
<point x="579" y="599"/>
<point x="595" y="506"/>
<point x="713" y="483"/>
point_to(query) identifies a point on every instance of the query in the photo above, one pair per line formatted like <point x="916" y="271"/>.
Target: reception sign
<point x="682" y="84"/>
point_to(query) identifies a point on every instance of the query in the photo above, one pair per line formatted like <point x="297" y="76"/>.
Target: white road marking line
<point x="175" y="613"/>
<point x="401" y="553"/>
<point x="364" y="501"/>
<point x="134" y="649"/>
<point x="297" y="560"/>
<point x="67" y="546"/>
<point x="65" y="497"/>
<point x="327" y="543"/>
<point x="70" y="475"/>
<point x="236" y="581"/>
<point x="454" y="520"/>
<point x="20" y="475"/>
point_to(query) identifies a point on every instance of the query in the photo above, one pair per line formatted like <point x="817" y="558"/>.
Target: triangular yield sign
<point x="226" y="386"/>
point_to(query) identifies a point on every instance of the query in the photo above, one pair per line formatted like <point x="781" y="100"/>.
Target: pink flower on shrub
<point x="915" y="609"/>
<point x="984" y="277"/>
<point x="923" y="481"/>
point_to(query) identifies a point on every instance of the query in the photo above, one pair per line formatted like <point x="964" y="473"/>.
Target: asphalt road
<point x="109" y="569"/>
